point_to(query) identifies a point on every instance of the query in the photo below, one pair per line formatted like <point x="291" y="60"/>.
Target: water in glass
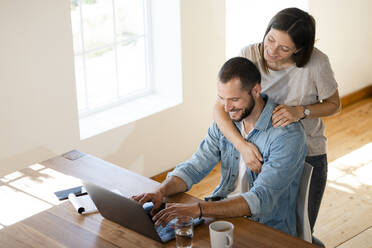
<point x="184" y="233"/>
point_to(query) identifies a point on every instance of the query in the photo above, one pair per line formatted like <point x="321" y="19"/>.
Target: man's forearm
<point x="172" y="185"/>
<point x="232" y="207"/>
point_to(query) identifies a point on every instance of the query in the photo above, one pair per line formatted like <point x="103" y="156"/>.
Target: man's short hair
<point x="242" y="68"/>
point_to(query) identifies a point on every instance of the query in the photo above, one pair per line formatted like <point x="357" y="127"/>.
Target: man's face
<point x="238" y="102"/>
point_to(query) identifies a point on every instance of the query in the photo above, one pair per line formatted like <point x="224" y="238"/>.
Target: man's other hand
<point x="156" y="198"/>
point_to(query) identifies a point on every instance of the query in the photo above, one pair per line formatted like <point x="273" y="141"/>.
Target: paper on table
<point x="82" y="204"/>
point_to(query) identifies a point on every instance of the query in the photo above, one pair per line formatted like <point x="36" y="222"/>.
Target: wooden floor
<point x="345" y="217"/>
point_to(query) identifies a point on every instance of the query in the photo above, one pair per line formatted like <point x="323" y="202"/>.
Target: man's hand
<point x="174" y="210"/>
<point x="156" y="198"/>
<point x="251" y="156"/>
<point x="284" y="115"/>
<point x="172" y="185"/>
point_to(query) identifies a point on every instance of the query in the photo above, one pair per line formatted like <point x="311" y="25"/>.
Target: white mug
<point x="221" y="234"/>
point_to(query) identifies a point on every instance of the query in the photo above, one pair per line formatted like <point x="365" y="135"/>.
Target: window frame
<point x="118" y="100"/>
<point x="166" y="75"/>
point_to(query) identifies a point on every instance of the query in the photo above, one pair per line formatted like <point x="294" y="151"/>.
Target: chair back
<point x="303" y="224"/>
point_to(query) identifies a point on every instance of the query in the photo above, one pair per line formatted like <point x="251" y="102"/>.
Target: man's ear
<point x="256" y="90"/>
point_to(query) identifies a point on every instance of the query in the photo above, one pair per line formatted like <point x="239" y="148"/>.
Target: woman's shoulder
<point x="250" y="50"/>
<point x="318" y="58"/>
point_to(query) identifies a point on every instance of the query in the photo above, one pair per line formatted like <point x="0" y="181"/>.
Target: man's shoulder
<point x="213" y="130"/>
<point x="215" y="134"/>
<point x="293" y="130"/>
<point x="287" y="142"/>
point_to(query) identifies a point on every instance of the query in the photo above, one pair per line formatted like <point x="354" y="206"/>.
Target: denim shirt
<point x="273" y="192"/>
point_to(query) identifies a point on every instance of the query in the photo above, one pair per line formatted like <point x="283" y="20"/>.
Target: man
<point x="268" y="197"/>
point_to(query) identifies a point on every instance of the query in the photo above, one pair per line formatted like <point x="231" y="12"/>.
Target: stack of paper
<point x="82" y="204"/>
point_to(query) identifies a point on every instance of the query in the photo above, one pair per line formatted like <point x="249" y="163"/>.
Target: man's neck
<point x="251" y="120"/>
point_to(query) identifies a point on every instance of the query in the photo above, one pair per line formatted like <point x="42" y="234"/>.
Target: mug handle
<point x="229" y="241"/>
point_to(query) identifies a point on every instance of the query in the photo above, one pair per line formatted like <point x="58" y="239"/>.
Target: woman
<point x="299" y="78"/>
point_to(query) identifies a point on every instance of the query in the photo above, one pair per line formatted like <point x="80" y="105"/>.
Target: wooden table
<point x="61" y="226"/>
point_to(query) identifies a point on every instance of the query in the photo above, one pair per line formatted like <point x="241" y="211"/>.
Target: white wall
<point x="246" y="21"/>
<point x="344" y="34"/>
<point x="38" y="103"/>
<point x="38" y="116"/>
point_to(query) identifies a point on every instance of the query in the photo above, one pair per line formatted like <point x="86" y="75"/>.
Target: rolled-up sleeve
<point x="202" y="161"/>
<point x="283" y="165"/>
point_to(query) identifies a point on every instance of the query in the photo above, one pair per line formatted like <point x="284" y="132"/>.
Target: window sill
<point x="126" y="113"/>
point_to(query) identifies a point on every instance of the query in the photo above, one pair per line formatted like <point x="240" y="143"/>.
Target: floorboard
<point x="363" y="240"/>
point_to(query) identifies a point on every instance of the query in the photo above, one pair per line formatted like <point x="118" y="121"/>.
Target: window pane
<point x="97" y="23"/>
<point x="109" y="47"/>
<point x="80" y="85"/>
<point x="129" y="19"/>
<point x="101" y="77"/>
<point x="76" y="27"/>
<point x="131" y="67"/>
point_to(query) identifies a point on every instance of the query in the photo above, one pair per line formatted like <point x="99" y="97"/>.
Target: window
<point x="110" y="45"/>
<point x="127" y="60"/>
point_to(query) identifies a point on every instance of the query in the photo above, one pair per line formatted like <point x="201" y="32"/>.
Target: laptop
<point x="129" y="213"/>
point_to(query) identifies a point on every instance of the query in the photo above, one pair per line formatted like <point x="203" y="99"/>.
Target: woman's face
<point x="278" y="47"/>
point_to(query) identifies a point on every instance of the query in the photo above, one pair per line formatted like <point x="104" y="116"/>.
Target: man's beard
<point x="246" y="111"/>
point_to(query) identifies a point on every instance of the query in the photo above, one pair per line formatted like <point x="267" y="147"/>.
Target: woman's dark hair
<point x="242" y="68"/>
<point x="300" y="26"/>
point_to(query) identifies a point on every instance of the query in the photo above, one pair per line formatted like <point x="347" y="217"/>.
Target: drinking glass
<point x="184" y="232"/>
